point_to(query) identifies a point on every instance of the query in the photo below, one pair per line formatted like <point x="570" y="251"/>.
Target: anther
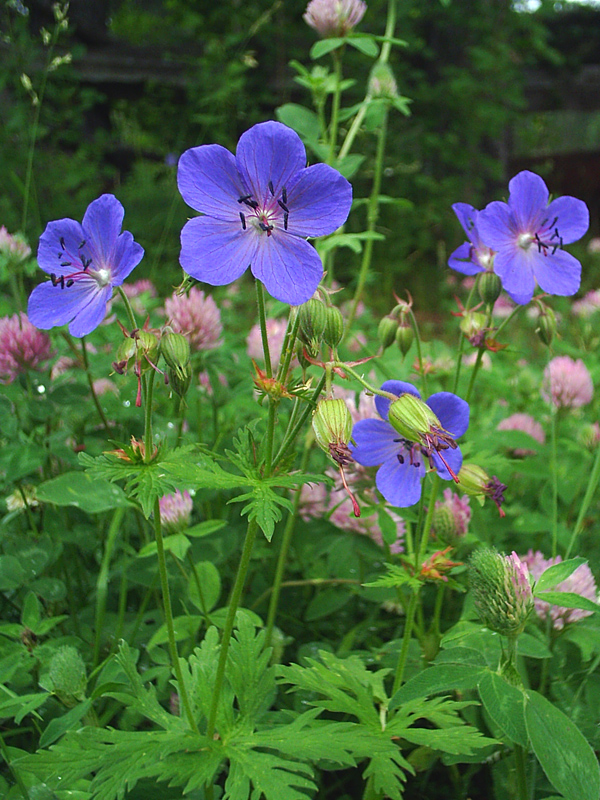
<point x="81" y="245"/>
<point x="244" y="198"/>
<point x="271" y="189"/>
<point x="62" y="242"/>
<point x="70" y="282"/>
<point x="285" y="219"/>
<point x="65" y="263"/>
<point x="243" y="219"/>
<point x="283" y="205"/>
<point x="284" y="194"/>
<point x="400" y="458"/>
<point x="53" y="278"/>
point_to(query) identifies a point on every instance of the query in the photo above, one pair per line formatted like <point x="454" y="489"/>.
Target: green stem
<point x="461" y="338"/>
<point x="422" y="373"/>
<point x="390" y="27"/>
<point x="102" y="581"/>
<point x="283" y="553"/>
<point x="128" y="308"/>
<point x="232" y="608"/>
<point x="168" y="611"/>
<point x="99" y="408"/>
<point x="521" y="772"/>
<point x="372" y="216"/>
<point x="148" y="435"/>
<point x="554" y="471"/>
<point x="262" y="318"/>
<point x="478" y="360"/>
<point x="289" y="342"/>
<point x="290" y="436"/>
<point x="585" y="504"/>
<point x="354" y="128"/>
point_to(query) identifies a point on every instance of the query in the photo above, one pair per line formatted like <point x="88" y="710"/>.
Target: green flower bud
<point x="412" y="418"/>
<point x="404" y="338"/>
<point x="546" y="329"/>
<point x="312" y="323"/>
<point x="382" y="82"/>
<point x="176" y="351"/>
<point x="386" y="331"/>
<point x="473" y="480"/>
<point x="501" y="591"/>
<point x="332" y="426"/>
<point x="444" y="524"/>
<point x="489" y="286"/>
<point x="68" y="676"/>
<point x="472" y="324"/>
<point x="334" y="327"/>
<point x="134" y="347"/>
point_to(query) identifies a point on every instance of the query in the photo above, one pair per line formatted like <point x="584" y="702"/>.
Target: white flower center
<point x="525" y="240"/>
<point x="102" y="276"/>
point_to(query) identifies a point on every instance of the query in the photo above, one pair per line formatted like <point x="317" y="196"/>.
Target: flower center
<point x="265" y="217"/>
<point x="82" y="266"/>
<point x="547" y="238"/>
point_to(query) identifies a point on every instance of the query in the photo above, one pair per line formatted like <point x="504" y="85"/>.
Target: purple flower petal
<point x="127" y="255"/>
<point x="382" y="404"/>
<point x="93" y="314"/>
<point x="400" y="484"/>
<point x="515" y="270"/>
<point x="319" y="199"/>
<point x="271" y="152"/>
<point x="497" y="227"/>
<point x="462" y="260"/>
<point x="557" y="274"/>
<point x="573" y="218"/>
<point x="528" y="196"/>
<point x="466" y="214"/>
<point x="102" y="224"/>
<point x="454" y="460"/>
<point x="50" y="246"/>
<point x="50" y="305"/>
<point x="374" y="442"/>
<point x="289" y="267"/>
<point x="215" y="251"/>
<point x="209" y="181"/>
<point x="452" y="411"/>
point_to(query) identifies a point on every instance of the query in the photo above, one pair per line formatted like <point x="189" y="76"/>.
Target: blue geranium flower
<point x="402" y="463"/>
<point x="528" y="234"/>
<point x="259" y="207"/>
<point x="472" y="256"/>
<point x="84" y="262"/>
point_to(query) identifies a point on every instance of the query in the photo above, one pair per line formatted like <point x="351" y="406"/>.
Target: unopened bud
<point x="334" y="326"/>
<point x="68" y="676"/>
<point x="312" y="323"/>
<point x="386" y="331"/>
<point x="489" y="286"/>
<point x="472" y="324"/>
<point x="382" y="82"/>
<point x="444" y="524"/>
<point x="475" y="481"/>
<point x="546" y="329"/>
<point x="412" y="418"/>
<point x="332" y="425"/>
<point x="176" y="351"/>
<point x="501" y="590"/>
<point x="404" y="338"/>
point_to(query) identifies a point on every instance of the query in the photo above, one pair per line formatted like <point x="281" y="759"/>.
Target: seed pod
<point x="332" y="426"/>
<point x="386" y="331"/>
<point x="404" y="338"/>
<point x="176" y="351"/>
<point x="546" y="329"/>
<point x="412" y="418"/>
<point x="489" y="286"/>
<point x="313" y="319"/>
<point x="334" y="327"/>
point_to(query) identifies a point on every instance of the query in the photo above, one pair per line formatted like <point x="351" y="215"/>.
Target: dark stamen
<point x="53" y="278"/>
<point x="285" y="219"/>
<point x="251" y="203"/>
<point x="266" y="228"/>
<point x="283" y="205"/>
<point x="70" y="282"/>
<point x="81" y="245"/>
<point x="400" y="458"/>
<point x="271" y="189"/>
<point x="284" y="194"/>
<point x="243" y="218"/>
<point x="244" y="198"/>
<point x="62" y="242"/>
<point x="65" y="263"/>
<point x="61" y="280"/>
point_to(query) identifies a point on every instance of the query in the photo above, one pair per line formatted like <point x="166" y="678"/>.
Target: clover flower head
<point x="84" y="262"/>
<point x="22" y="347"/>
<point x="587" y="305"/>
<point x="451" y="516"/>
<point x="197" y="316"/>
<point x="581" y="582"/>
<point x="401" y="460"/>
<point x="334" y="17"/>
<point x="473" y="256"/>
<point x="527" y="424"/>
<point x="501" y="590"/>
<point x="567" y="383"/>
<point x="13" y="245"/>
<point x="175" y="510"/>
<point x="528" y="234"/>
<point x="258" y="208"/>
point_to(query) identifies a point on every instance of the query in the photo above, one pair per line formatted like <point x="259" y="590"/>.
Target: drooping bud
<point x="68" y="676"/>
<point x="473" y="326"/>
<point x="489" y="286"/>
<point x="332" y="426"/>
<point x="404" y="338"/>
<point x="382" y="82"/>
<point x="546" y="329"/>
<point x="501" y="590"/>
<point x="412" y="418"/>
<point x="312" y="322"/>
<point x="176" y="351"/>
<point x="475" y="481"/>
<point x="386" y="331"/>
<point x="137" y="345"/>
<point x="334" y="326"/>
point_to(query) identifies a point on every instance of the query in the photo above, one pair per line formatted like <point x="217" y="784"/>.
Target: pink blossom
<point x="527" y="424"/>
<point x="451" y="516"/>
<point x="22" y="347"/>
<point x="567" y="383"/>
<point x="205" y="382"/>
<point x="135" y="289"/>
<point x="334" y="17"/>
<point x="197" y="316"/>
<point x="587" y="305"/>
<point x="581" y="582"/>
<point x="503" y="307"/>
<point x="594" y="245"/>
<point x="105" y="386"/>
<point x="175" y="511"/>
<point x="13" y="245"/>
